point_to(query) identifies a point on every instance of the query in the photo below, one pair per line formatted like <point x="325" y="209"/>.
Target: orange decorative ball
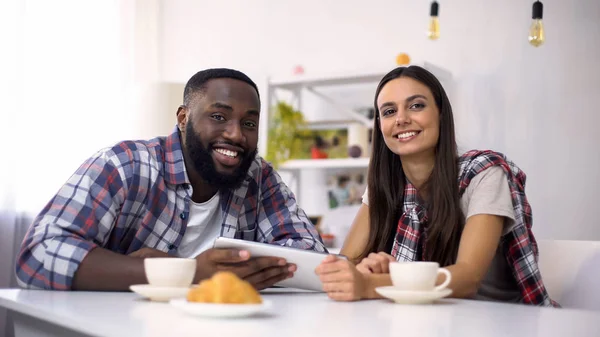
<point x="402" y="59"/>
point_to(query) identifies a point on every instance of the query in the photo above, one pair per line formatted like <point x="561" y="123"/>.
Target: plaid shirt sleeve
<point x="520" y="246"/>
<point x="281" y="221"/>
<point x="74" y="222"/>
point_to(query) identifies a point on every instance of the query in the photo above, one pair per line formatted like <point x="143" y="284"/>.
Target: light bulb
<point x="536" y="31"/>
<point x="434" y="25"/>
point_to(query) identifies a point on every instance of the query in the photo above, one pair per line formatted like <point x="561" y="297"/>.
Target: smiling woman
<point x="424" y="202"/>
<point x="410" y="123"/>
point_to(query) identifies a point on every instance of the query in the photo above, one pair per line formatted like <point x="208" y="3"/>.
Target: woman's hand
<point x="341" y="280"/>
<point x="375" y="263"/>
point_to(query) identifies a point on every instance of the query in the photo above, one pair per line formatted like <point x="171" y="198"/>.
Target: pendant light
<point x="536" y="31"/>
<point x="433" y="33"/>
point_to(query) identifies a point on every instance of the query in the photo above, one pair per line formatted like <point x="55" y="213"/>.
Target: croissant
<point x="224" y="287"/>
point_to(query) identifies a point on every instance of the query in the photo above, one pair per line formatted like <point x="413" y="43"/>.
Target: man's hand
<point x="261" y="272"/>
<point x="149" y="252"/>
<point x="375" y="263"/>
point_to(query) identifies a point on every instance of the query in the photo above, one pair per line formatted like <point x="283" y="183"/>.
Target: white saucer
<point x="159" y="294"/>
<point x="412" y="297"/>
<point x="218" y="309"/>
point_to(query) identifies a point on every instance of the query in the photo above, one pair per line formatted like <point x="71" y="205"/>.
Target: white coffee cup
<point x="418" y="276"/>
<point x="170" y="271"/>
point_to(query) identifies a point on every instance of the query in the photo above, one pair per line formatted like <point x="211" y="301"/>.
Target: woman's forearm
<point x="464" y="283"/>
<point x="373" y="281"/>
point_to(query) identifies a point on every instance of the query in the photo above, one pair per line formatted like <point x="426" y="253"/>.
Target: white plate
<point x="412" y="297"/>
<point x="159" y="294"/>
<point x="220" y="310"/>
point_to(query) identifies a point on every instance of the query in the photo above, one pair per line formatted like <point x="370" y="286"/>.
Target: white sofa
<point x="571" y="272"/>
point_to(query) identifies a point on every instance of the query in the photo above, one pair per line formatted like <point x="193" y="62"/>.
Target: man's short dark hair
<point x="198" y="82"/>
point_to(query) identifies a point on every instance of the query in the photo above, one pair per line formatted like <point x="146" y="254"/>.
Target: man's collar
<point x="173" y="157"/>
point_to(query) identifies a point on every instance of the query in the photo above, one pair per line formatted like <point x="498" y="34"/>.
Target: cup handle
<point x="446" y="280"/>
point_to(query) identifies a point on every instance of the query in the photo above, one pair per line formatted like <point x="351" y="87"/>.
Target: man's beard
<point x="204" y="164"/>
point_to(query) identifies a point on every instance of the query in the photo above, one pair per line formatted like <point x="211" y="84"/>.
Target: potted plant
<point x="286" y="131"/>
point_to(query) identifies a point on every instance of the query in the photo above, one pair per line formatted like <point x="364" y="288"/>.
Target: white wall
<point x="535" y="104"/>
<point x="62" y="90"/>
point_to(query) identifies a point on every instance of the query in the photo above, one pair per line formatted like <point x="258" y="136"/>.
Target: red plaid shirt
<point x="137" y="194"/>
<point x="519" y="245"/>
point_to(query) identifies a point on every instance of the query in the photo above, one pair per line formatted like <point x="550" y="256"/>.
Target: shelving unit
<point x="335" y="79"/>
<point x="299" y="164"/>
<point x="293" y="88"/>
<point x="299" y="81"/>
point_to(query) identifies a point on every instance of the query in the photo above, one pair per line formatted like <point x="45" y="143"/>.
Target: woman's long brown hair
<point x="386" y="181"/>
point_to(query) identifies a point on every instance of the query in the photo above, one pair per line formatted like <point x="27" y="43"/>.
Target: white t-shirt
<point x="203" y="227"/>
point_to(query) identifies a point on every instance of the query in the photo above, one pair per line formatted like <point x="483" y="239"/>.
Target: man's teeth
<point x="228" y="153"/>
<point x="406" y="135"/>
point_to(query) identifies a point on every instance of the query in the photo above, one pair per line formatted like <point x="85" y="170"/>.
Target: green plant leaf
<point x="285" y="126"/>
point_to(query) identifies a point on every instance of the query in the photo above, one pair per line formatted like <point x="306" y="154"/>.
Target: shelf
<point x="333" y="124"/>
<point x="298" y="81"/>
<point x="298" y="164"/>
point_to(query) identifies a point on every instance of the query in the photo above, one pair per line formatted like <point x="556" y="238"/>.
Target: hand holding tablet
<point x="262" y="272"/>
<point x="305" y="261"/>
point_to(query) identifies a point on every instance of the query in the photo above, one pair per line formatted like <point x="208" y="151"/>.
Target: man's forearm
<point x="105" y="270"/>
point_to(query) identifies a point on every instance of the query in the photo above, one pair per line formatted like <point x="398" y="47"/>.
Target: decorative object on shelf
<point x="328" y="240"/>
<point x="323" y="144"/>
<point x="433" y="33"/>
<point x="367" y="111"/>
<point x="286" y="129"/>
<point x="354" y="151"/>
<point x="290" y="138"/>
<point x="298" y="70"/>
<point x="346" y="188"/>
<point x="536" y="31"/>
<point x="358" y="136"/>
<point x="316" y="220"/>
<point x="402" y="59"/>
<point x="317" y="150"/>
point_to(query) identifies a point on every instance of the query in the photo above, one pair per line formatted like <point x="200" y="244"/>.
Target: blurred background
<point x="76" y="76"/>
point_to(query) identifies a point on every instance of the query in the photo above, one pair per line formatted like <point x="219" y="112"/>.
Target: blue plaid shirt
<point x="137" y="194"/>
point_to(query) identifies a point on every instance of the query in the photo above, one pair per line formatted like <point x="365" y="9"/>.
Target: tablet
<point x="305" y="260"/>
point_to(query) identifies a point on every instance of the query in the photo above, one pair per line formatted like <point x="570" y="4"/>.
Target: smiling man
<point x="171" y="196"/>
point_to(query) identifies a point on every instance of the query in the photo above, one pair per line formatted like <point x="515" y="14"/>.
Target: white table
<point x="54" y="313"/>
